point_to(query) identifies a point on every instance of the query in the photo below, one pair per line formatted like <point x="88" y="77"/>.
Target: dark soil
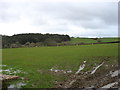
<point x="99" y="79"/>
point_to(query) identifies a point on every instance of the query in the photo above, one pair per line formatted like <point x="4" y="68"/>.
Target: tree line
<point x="33" y="39"/>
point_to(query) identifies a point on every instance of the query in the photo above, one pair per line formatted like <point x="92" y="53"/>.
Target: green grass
<point x="109" y="39"/>
<point x="89" y="40"/>
<point x="82" y="40"/>
<point x="31" y="60"/>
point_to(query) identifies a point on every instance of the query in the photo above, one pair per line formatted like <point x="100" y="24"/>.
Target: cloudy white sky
<point x="78" y="19"/>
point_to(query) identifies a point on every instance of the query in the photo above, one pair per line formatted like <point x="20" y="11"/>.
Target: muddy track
<point x="106" y="76"/>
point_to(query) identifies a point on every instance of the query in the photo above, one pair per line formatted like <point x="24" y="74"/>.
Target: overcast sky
<point x="78" y="19"/>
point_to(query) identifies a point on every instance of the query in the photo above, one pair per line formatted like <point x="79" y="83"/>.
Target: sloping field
<point x="110" y="39"/>
<point x="82" y="40"/>
<point x="45" y="67"/>
<point x="89" y="40"/>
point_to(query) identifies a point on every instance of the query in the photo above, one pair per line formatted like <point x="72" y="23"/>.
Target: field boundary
<point x="90" y="43"/>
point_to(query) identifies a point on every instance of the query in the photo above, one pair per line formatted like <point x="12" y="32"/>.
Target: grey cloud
<point x="70" y="11"/>
<point x="80" y="13"/>
<point x="7" y="14"/>
<point x="87" y="12"/>
<point x="59" y="16"/>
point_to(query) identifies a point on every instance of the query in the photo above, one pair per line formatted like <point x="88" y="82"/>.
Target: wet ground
<point x="101" y="76"/>
<point x="8" y="74"/>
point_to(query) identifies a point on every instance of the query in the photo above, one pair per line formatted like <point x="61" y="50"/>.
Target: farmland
<point x="35" y="63"/>
<point x="91" y="40"/>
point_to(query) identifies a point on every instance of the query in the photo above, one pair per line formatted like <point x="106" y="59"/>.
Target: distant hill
<point x="38" y="39"/>
<point x="31" y="39"/>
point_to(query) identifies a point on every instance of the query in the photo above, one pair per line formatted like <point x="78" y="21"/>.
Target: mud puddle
<point x="17" y="85"/>
<point x="110" y="85"/>
<point x="10" y="71"/>
<point x="97" y="68"/>
<point x="115" y="73"/>
<point x="81" y="68"/>
<point x="55" y="70"/>
<point x="98" y="77"/>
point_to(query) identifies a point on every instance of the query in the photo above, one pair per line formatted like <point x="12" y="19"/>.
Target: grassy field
<point x="110" y="39"/>
<point x="36" y="62"/>
<point x="89" y="40"/>
<point x="82" y="40"/>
